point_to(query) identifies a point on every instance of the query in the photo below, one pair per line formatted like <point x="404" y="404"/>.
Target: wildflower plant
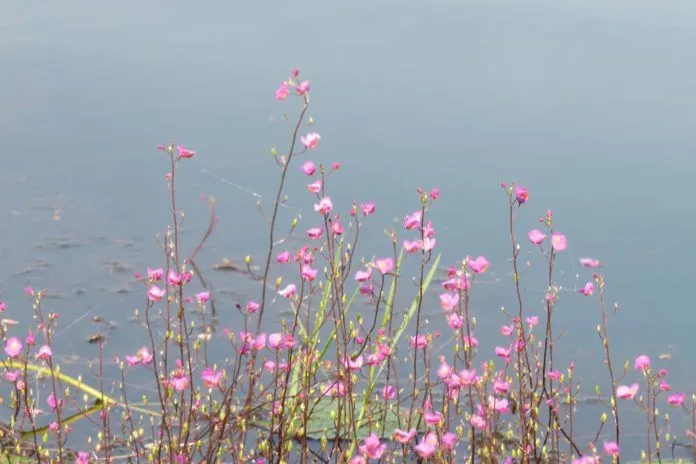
<point x="333" y="382"/>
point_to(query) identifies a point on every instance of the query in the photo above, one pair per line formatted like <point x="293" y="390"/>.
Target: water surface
<point x="590" y="105"/>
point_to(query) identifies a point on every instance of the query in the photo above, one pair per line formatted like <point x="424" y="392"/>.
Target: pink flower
<point x="589" y="262"/>
<point x="432" y="418"/>
<point x="677" y="399"/>
<point x="522" y="194"/>
<point x="642" y="363"/>
<point x="503" y="353"/>
<point x="173" y="278"/>
<point x="478" y="422"/>
<point x="144" y="356"/>
<point x="284" y="257"/>
<point x="336" y="227"/>
<point x="13" y="347"/>
<point x="363" y="276"/>
<point x="82" y="458"/>
<point x="428" y="243"/>
<point x="282" y="92"/>
<point x="625" y="392"/>
<point x="413" y="221"/>
<point x="132" y="360"/>
<point x="449" y="440"/>
<point x="532" y="321"/>
<point x="288" y="341"/>
<point x="403" y="436"/>
<point x="470" y="342"/>
<point x="44" y="353"/>
<point x="185" y="152"/>
<point x="449" y="301"/>
<point x="427" y="446"/>
<point x="311" y="140"/>
<point x="324" y="206"/>
<point x="249" y="341"/>
<point x="309" y="168"/>
<point x="418" y="342"/>
<point x="456" y="283"/>
<point x="275" y="340"/>
<point x="478" y="265"/>
<point x="203" y="297"/>
<point x="314" y="187"/>
<point x="412" y="246"/>
<point x="269" y="366"/>
<point x="314" y="233"/>
<point x="179" y="380"/>
<point x="368" y="208"/>
<point x="588" y="289"/>
<point x="587" y="460"/>
<point x="53" y="403"/>
<point x="289" y="291"/>
<point x="559" y="242"/>
<point x="211" y="378"/>
<point x="155" y="293"/>
<point x="553" y="375"/>
<point x="388" y="392"/>
<point x="295" y="72"/>
<point x="252" y="307"/>
<point x="335" y="389"/>
<point x="308" y="273"/>
<point x="506" y="330"/>
<point x="501" y="387"/>
<point x="2" y="306"/>
<point x="367" y="290"/>
<point x="454" y="321"/>
<point x="499" y="404"/>
<point x="385" y="265"/>
<point x="303" y="88"/>
<point x="353" y="364"/>
<point x="29" y="291"/>
<point x="611" y="448"/>
<point x="536" y="236"/>
<point x="372" y="448"/>
<point x="435" y="193"/>
<point x="664" y="386"/>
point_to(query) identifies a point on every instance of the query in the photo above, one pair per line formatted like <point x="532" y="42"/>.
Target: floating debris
<point x="39" y="265"/>
<point x="96" y="338"/>
<point x="53" y="296"/>
<point x="117" y="267"/>
<point x="228" y="266"/>
<point x="125" y="243"/>
<point x="58" y="243"/>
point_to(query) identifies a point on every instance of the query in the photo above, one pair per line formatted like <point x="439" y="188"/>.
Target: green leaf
<point x="372" y="379"/>
<point x="93" y="392"/>
<point x="322" y="423"/>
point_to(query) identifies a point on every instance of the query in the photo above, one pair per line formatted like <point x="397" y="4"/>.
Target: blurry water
<point x="590" y="105"/>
